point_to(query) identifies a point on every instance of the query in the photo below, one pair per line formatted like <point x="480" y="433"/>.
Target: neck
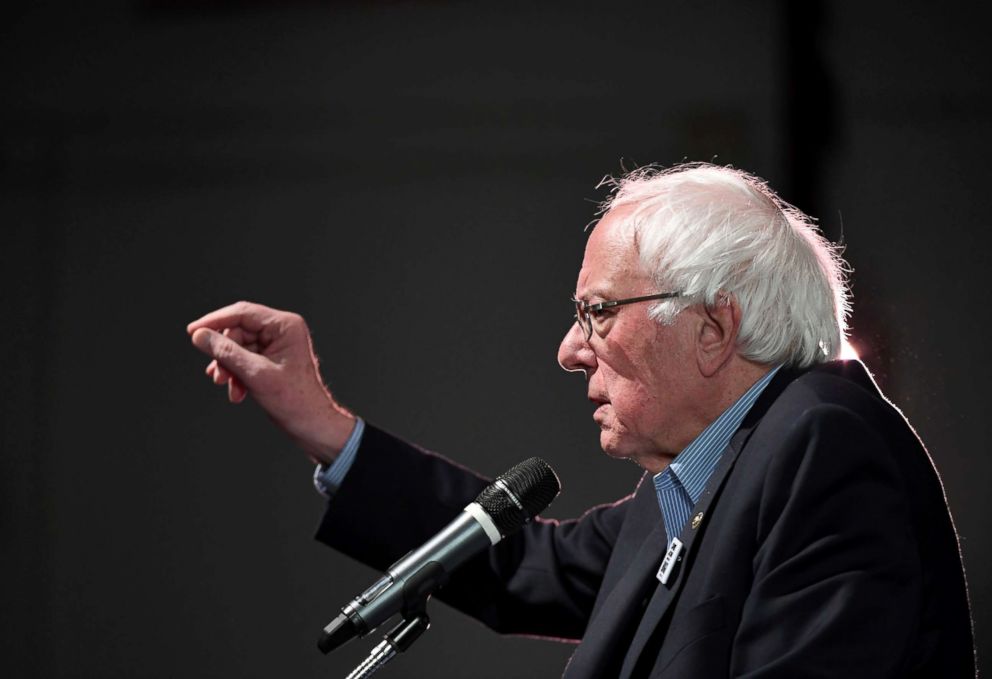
<point x="716" y="395"/>
<point x="740" y="375"/>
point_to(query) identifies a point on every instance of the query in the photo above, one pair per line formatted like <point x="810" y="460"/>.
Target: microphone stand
<point x="398" y="640"/>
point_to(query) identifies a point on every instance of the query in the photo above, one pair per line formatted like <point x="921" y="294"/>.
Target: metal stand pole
<point x="398" y="640"/>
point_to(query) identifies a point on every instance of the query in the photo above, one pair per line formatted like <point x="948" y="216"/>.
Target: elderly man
<point x="789" y="522"/>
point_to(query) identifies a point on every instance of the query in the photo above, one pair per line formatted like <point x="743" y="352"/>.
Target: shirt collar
<point x="693" y="466"/>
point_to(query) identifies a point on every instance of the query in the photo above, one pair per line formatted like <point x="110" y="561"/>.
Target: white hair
<point x="709" y="231"/>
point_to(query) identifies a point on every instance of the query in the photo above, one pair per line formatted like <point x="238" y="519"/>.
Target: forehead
<point x="611" y="263"/>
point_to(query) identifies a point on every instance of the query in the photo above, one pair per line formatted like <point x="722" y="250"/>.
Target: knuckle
<point x="224" y="349"/>
<point x="295" y="322"/>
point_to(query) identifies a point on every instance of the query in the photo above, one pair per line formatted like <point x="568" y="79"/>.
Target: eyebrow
<point x="595" y="292"/>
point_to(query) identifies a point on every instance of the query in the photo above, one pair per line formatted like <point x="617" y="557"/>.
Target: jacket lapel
<point x="628" y="581"/>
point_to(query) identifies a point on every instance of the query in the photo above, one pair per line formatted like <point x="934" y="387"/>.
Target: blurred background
<point x="414" y="177"/>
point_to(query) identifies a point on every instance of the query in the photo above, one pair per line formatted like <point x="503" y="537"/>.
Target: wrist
<point x="328" y="435"/>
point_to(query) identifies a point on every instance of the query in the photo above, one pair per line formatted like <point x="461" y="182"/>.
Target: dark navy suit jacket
<point x="822" y="547"/>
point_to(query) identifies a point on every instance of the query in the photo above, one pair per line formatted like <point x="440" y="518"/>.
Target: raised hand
<point x="268" y="354"/>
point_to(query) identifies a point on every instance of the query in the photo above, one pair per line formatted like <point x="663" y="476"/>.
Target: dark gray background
<point x="414" y="177"/>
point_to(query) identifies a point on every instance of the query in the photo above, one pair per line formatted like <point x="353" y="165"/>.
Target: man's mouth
<point x="600" y="405"/>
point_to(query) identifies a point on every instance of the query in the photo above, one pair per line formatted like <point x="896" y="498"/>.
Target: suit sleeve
<point x="542" y="581"/>
<point x="837" y="564"/>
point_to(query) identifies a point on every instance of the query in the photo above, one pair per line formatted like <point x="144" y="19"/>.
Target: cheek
<point x="633" y="405"/>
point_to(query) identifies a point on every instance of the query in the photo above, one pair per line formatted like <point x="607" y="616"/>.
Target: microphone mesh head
<point x="532" y="483"/>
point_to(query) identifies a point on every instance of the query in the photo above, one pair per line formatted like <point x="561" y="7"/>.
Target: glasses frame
<point x="584" y="310"/>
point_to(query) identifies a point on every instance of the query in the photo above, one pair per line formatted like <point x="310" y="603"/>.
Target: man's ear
<point x="719" y="326"/>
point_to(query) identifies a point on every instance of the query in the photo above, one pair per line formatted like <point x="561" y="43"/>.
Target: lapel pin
<point x="696" y="520"/>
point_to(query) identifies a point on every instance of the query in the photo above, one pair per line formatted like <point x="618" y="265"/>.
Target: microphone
<point x="513" y="499"/>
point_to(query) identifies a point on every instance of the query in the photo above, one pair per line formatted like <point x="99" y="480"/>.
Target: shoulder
<point x="826" y="446"/>
<point x="833" y="413"/>
<point x="841" y="390"/>
<point x="846" y="384"/>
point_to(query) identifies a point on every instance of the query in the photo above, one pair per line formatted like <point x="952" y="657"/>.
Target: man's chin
<point x="612" y="447"/>
<point x="617" y="449"/>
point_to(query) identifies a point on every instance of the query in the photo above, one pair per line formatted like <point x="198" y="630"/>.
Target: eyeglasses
<point x="586" y="312"/>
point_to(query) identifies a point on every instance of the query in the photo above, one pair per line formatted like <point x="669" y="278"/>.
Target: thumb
<point x="229" y="354"/>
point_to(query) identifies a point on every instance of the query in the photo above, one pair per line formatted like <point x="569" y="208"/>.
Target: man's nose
<point x="574" y="353"/>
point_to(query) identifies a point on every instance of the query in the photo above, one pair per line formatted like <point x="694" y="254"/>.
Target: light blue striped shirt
<point x="327" y="479"/>
<point x="680" y="485"/>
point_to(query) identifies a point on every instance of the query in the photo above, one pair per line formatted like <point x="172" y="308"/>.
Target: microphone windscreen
<point x="519" y="494"/>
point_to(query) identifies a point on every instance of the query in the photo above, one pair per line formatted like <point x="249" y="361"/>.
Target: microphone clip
<point x="417" y="589"/>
